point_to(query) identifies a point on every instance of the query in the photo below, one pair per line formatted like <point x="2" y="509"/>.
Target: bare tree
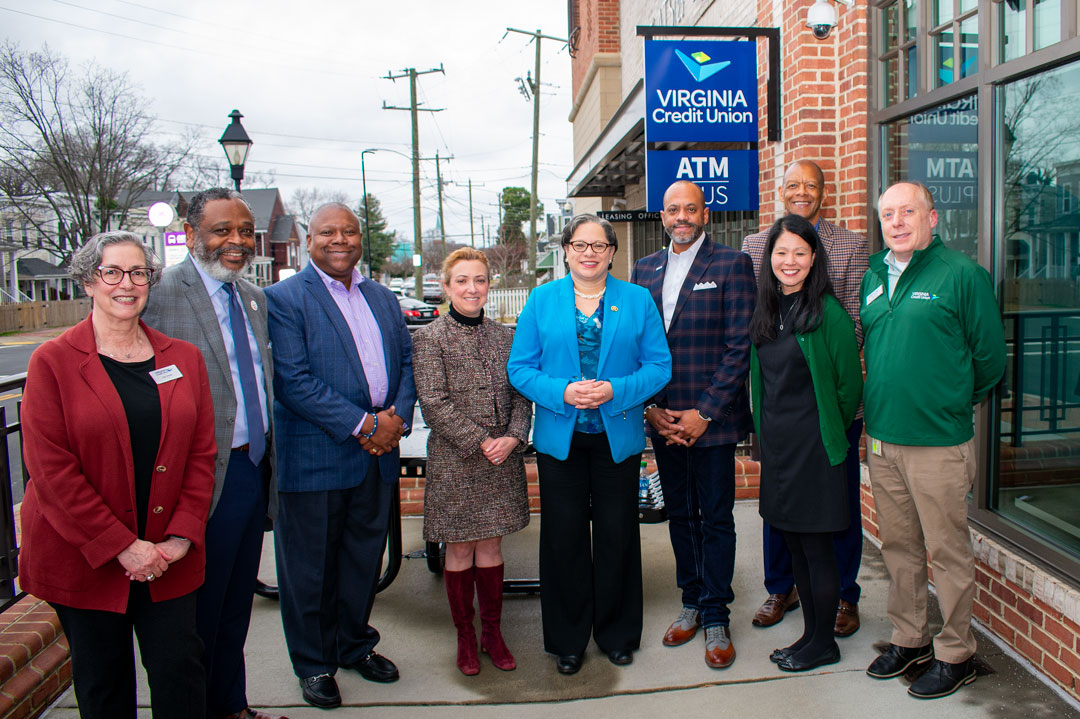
<point x="75" y="147"/>
<point x="304" y="201"/>
<point x="505" y="260"/>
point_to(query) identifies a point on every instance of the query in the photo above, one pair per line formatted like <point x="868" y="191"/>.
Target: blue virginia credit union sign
<point x="728" y="178"/>
<point x="701" y="91"/>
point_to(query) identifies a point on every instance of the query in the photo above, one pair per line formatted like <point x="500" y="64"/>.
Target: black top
<point x="465" y="319"/>
<point x="800" y="490"/>
<point x="139" y="395"/>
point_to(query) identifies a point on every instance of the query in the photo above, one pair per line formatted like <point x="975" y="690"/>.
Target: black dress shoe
<point x="376" y="668"/>
<point x="791" y="664"/>
<point x="780" y="654"/>
<point x="895" y="660"/>
<point x="942" y="679"/>
<point x="321" y="691"/>
<point x="621" y="657"/>
<point x="270" y="591"/>
<point x="568" y="663"/>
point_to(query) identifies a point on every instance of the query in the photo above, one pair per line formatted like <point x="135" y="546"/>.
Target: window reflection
<point x="939" y="147"/>
<point x="1038" y="177"/>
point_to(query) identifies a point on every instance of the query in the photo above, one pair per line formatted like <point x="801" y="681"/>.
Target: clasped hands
<point x="387" y="433"/>
<point x="588" y="393"/>
<point x="677" y="426"/>
<point x="497" y="450"/>
<point x="145" y="561"/>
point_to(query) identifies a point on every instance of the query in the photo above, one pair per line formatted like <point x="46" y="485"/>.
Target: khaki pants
<point x="921" y="499"/>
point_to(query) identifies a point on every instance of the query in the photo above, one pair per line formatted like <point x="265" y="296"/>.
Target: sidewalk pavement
<point x="414" y="620"/>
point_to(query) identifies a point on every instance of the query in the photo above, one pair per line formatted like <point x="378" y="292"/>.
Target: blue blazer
<point x="320" y="390"/>
<point x="634" y="357"/>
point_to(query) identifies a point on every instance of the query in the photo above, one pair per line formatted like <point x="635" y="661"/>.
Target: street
<point x="15" y="351"/>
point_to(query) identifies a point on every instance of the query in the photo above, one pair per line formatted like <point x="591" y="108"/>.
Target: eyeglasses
<point x="114" y="275"/>
<point x="598" y="247"/>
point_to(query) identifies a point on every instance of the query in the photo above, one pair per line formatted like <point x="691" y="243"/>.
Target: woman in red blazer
<point x="119" y="443"/>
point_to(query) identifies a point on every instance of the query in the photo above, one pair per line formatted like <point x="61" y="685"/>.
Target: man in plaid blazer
<point x="803" y="192"/>
<point x="192" y="303"/>
<point x="705" y="293"/>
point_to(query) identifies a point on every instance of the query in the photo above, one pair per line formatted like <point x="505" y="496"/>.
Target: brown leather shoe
<point x="683" y="628"/>
<point x="719" y="649"/>
<point x="250" y="713"/>
<point x="847" y="619"/>
<point x="774" y="608"/>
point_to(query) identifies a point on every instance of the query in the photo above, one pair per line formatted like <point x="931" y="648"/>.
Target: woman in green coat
<point x="805" y="384"/>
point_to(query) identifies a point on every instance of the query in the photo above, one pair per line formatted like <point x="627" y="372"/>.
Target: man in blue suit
<point x="344" y="397"/>
<point x="705" y="293"/>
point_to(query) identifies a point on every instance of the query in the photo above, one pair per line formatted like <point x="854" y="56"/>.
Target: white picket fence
<point x="506" y="304"/>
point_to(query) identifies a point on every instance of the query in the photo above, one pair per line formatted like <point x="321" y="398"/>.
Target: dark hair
<point x="579" y="220"/>
<point x="763" y="325"/>
<point x="197" y="206"/>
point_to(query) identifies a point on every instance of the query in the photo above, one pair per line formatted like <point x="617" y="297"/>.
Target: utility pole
<point x="534" y="84"/>
<point x="418" y="240"/>
<point x="498" y="228"/>
<point x="472" y="232"/>
<point x="483" y="236"/>
<point x="439" y="182"/>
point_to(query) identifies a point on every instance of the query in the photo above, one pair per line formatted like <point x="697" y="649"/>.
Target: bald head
<point x="337" y="206"/>
<point x="684" y="215"/>
<point x="684" y="186"/>
<point x="803" y="190"/>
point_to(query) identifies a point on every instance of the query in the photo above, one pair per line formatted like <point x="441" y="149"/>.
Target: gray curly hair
<point x="87" y="259"/>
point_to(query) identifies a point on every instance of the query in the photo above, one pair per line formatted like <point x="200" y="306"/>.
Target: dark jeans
<point x="234" y="537"/>
<point x="699" y="492"/>
<point x="589" y="582"/>
<point x="103" y="658"/>
<point x="847" y="545"/>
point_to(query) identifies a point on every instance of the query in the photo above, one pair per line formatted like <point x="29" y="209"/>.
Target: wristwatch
<point x="704" y="416"/>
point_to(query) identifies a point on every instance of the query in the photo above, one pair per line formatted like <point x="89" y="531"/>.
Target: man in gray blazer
<point x="203" y="300"/>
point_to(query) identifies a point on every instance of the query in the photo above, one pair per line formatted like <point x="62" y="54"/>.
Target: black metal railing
<point x="9" y="548"/>
<point x="1055" y="334"/>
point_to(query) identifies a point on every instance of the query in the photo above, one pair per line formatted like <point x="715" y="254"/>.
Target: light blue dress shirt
<point x="219" y="298"/>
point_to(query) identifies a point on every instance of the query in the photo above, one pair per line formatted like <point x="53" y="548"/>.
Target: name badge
<point x="875" y="294"/>
<point x="166" y="374"/>
<point x="875" y="446"/>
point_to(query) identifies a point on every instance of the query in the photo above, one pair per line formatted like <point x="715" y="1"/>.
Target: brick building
<point x="979" y="99"/>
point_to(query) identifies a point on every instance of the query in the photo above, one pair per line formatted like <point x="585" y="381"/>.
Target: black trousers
<point x="234" y="537"/>
<point x="103" y="657"/>
<point x="589" y="582"/>
<point x="329" y="552"/>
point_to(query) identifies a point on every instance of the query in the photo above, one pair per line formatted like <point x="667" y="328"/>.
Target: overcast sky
<point x="308" y="77"/>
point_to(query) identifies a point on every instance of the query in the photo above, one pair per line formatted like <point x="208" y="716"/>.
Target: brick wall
<point x="825" y="112"/>
<point x="35" y="668"/>
<point x="598" y="21"/>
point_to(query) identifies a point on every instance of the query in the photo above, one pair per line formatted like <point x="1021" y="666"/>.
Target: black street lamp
<point x="236" y="144"/>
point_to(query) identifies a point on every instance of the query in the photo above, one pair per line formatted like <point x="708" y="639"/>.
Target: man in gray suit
<point x="203" y="300"/>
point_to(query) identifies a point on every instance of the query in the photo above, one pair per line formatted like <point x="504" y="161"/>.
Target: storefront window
<point x="939" y="147"/>
<point x="898" y="61"/>
<point x="1037" y="177"/>
<point x="955" y="39"/>
<point x="1047" y="23"/>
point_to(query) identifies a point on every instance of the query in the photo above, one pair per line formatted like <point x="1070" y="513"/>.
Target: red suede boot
<point x="459" y="590"/>
<point x="489" y="592"/>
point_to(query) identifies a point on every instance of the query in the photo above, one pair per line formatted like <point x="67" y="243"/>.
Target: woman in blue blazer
<point x="589" y="350"/>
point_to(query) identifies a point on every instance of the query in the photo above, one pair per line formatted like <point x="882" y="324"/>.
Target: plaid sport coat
<point x="708" y="338"/>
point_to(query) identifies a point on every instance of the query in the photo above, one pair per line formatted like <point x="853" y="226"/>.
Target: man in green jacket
<point x="934" y="347"/>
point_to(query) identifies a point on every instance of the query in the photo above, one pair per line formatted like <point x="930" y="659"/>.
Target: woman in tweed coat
<point x="475" y="491"/>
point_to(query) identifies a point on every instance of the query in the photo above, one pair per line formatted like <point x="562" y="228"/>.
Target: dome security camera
<point x="821" y="19"/>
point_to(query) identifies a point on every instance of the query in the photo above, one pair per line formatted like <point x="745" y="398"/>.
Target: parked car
<point x="417" y="312"/>
<point x="433" y="292"/>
